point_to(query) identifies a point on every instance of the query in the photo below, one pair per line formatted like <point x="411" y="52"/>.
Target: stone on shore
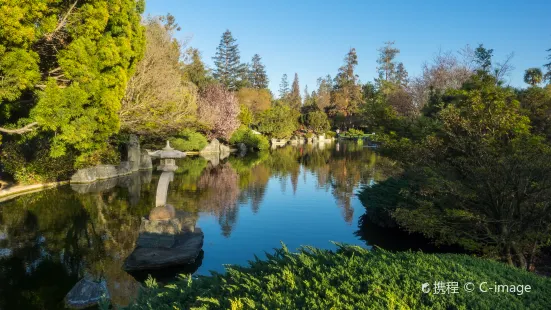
<point x="86" y="293"/>
<point x="212" y="147"/>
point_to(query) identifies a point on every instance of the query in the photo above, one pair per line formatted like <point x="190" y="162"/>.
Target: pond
<point x="303" y="195"/>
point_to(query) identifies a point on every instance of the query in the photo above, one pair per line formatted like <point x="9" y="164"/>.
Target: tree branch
<point x="62" y="22"/>
<point x="19" y="131"/>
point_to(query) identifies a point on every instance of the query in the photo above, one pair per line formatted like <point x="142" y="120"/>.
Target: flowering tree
<point x="218" y="111"/>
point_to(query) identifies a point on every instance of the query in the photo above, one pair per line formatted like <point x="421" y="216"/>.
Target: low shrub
<point x="330" y="134"/>
<point x="355" y="132"/>
<point x="188" y="140"/>
<point x="352" y="278"/>
<point x="309" y="135"/>
<point x="250" y="139"/>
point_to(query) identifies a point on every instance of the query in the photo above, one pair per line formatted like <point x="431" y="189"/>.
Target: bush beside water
<point x="350" y="278"/>
<point x="250" y="139"/>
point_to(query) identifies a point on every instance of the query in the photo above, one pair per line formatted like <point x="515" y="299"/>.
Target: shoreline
<point x="18" y="190"/>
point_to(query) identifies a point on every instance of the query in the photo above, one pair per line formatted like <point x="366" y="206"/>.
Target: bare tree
<point x="443" y="72"/>
<point x="157" y="101"/>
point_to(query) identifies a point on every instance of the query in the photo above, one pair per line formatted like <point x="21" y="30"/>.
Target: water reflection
<point x="50" y="239"/>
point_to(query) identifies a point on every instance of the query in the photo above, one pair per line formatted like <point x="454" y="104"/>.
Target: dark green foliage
<point x="483" y="58"/>
<point x="28" y="162"/>
<point x="317" y="121"/>
<point x="257" y="73"/>
<point x="294" y="97"/>
<point x="194" y="69"/>
<point x="350" y="278"/>
<point x="547" y="75"/>
<point x="189" y="140"/>
<point x="227" y="61"/>
<point x="251" y="140"/>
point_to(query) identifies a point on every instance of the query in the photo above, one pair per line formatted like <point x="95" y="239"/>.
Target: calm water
<point x="245" y="206"/>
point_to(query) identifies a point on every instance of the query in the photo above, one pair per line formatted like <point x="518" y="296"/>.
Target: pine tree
<point x="294" y="97"/>
<point x="257" y="73"/>
<point x="229" y="70"/>
<point x="284" y="87"/>
<point x="306" y="95"/>
<point x="547" y="75"/>
<point x="346" y="95"/>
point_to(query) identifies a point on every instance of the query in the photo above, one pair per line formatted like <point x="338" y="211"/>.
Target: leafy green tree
<point x="536" y="104"/>
<point x="294" y="96"/>
<point x="533" y="76"/>
<point x="229" y="71"/>
<point x="256" y="100"/>
<point x="482" y="180"/>
<point x="257" y="73"/>
<point x="284" y="87"/>
<point x="69" y="62"/>
<point x="278" y="122"/>
<point x="194" y="70"/>
<point x="317" y="121"/>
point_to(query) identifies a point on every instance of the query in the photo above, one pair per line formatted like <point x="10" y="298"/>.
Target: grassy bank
<point x="351" y="278"/>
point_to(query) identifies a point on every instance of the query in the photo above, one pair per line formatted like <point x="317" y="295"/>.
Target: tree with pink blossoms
<point x="218" y="111"/>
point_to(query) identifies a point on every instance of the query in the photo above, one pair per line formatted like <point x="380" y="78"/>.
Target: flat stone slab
<point x="86" y="293"/>
<point x="186" y="249"/>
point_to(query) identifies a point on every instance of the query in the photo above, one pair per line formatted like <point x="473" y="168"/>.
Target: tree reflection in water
<point x="51" y="239"/>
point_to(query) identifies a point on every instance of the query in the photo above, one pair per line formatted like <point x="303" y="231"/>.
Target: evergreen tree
<point x="194" y="70"/>
<point x="547" y="75"/>
<point x="257" y="73"/>
<point x="69" y="61"/>
<point x="284" y="87"/>
<point x="387" y="64"/>
<point x="307" y="98"/>
<point x="229" y="70"/>
<point x="347" y="93"/>
<point x="294" y="97"/>
<point x="483" y="58"/>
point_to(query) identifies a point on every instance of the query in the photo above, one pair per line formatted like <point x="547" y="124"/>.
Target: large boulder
<point x="134" y="154"/>
<point x="212" y="147"/>
<point x="92" y="174"/>
<point x="186" y="249"/>
<point x="86" y="293"/>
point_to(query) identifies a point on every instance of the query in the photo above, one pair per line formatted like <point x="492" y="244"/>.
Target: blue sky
<point x="311" y="38"/>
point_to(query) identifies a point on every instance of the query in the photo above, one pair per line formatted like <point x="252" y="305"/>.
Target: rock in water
<point x="186" y="249"/>
<point x="212" y="147"/>
<point x="86" y="293"/>
<point x="163" y="213"/>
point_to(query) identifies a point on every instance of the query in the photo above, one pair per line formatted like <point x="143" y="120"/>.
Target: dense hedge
<point x="350" y="278"/>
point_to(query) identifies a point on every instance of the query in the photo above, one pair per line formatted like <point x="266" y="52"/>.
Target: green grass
<point x="350" y="278"/>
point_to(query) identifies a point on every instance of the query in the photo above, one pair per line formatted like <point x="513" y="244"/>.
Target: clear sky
<point x="311" y="38"/>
